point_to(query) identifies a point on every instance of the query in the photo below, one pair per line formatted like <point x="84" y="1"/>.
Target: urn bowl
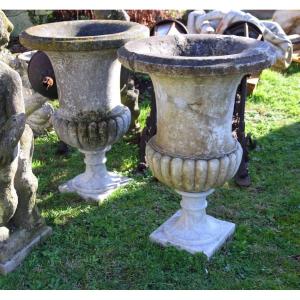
<point x="83" y="55"/>
<point x="195" y="78"/>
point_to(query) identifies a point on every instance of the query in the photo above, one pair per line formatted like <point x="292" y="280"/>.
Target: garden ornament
<point x="195" y="79"/>
<point x="90" y="116"/>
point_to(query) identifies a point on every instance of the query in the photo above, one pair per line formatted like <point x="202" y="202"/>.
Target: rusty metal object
<point x="168" y="27"/>
<point x="42" y="79"/>
<point x="41" y="75"/>
<point x="48" y="82"/>
<point x="242" y="177"/>
<point x="244" y="29"/>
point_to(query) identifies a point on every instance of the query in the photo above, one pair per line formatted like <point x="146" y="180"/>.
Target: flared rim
<point x="169" y="55"/>
<point x="82" y="35"/>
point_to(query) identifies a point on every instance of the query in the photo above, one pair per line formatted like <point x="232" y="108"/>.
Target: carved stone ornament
<point x="195" y="78"/>
<point x="21" y="226"/>
<point x="90" y="115"/>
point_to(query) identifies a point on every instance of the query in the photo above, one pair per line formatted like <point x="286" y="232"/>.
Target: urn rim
<point x="82" y="35"/>
<point x="174" y="56"/>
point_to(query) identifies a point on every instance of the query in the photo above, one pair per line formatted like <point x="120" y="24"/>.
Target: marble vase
<point x="90" y="115"/>
<point x="195" y="78"/>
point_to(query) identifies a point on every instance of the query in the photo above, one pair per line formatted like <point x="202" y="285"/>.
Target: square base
<point x="16" y="259"/>
<point x="226" y="230"/>
<point x="90" y="195"/>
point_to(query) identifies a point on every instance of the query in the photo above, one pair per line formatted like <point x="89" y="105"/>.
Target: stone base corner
<point x="11" y="263"/>
<point x="201" y="245"/>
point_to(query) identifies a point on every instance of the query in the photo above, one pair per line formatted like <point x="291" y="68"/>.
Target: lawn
<point x="107" y="246"/>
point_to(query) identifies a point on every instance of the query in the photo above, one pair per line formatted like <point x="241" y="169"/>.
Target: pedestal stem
<point x="95" y="162"/>
<point x="96" y="183"/>
<point x="192" y="229"/>
<point x="193" y="208"/>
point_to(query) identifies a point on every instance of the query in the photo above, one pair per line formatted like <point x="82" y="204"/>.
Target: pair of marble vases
<point x="195" y="78"/>
<point x="90" y="115"/>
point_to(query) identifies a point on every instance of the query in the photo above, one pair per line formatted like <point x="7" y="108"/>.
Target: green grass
<point x="108" y="247"/>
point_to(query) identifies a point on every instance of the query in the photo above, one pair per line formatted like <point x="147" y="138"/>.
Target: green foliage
<point x="41" y="17"/>
<point x="145" y="111"/>
<point x="107" y="246"/>
<point x="280" y="91"/>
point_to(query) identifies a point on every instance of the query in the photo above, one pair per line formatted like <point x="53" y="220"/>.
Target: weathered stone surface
<point x="38" y="112"/>
<point x="40" y="121"/>
<point x="19" y="217"/>
<point x="4" y="233"/>
<point x="195" y="56"/>
<point x="129" y="94"/>
<point x="26" y="184"/>
<point x="191" y="174"/>
<point x="195" y="78"/>
<point x="96" y="183"/>
<point x="92" y="131"/>
<point x="191" y="229"/>
<point x="90" y="116"/>
<point x="86" y="35"/>
<point x="21" y="226"/>
<point x="14" y="250"/>
<point x="6" y="27"/>
<point x="12" y="117"/>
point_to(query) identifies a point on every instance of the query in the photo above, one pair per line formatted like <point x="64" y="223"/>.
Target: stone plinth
<point x="19" y="245"/>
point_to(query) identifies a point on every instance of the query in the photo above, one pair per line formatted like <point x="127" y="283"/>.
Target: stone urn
<point x="90" y="115"/>
<point x="195" y="78"/>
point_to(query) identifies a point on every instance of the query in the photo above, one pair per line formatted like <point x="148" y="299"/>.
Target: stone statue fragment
<point x="217" y="21"/>
<point x="21" y="226"/>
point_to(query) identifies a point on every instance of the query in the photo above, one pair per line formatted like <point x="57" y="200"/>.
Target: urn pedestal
<point x="90" y="115"/>
<point x="195" y="78"/>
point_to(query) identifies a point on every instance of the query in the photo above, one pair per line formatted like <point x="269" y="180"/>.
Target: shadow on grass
<point x="108" y="247"/>
<point x="53" y="169"/>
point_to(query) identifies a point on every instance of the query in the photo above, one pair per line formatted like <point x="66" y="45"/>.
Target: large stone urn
<point x="195" y="78"/>
<point x="90" y="115"/>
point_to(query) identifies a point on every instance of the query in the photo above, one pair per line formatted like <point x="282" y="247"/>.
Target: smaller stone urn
<point x="195" y="78"/>
<point x="90" y="115"/>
